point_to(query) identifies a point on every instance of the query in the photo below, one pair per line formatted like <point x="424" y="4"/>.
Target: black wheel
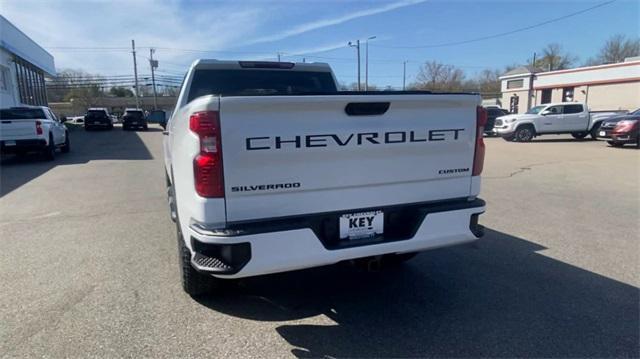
<point x="524" y="133"/>
<point x="67" y="144"/>
<point x="579" y="135"/>
<point x="110" y="127"/>
<point x="594" y="131"/>
<point x="49" y="153"/>
<point x="509" y="138"/>
<point x="397" y="259"/>
<point x="194" y="283"/>
<point x="125" y="128"/>
<point x="145" y="127"/>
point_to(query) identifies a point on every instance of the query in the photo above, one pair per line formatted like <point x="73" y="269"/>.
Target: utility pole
<point x="278" y="57"/>
<point x="153" y="63"/>
<point x="135" y="71"/>
<point x="357" y="46"/>
<point x="404" y="75"/>
<point x="366" y="63"/>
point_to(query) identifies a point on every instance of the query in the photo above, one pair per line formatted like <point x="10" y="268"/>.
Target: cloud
<point x="319" y="24"/>
<point x="114" y="24"/>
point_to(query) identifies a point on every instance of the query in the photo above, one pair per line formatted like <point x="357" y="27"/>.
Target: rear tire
<point x="67" y="144"/>
<point x="579" y="135"/>
<point x="49" y="153"/>
<point x="594" y="131"/>
<point x="524" y="133"/>
<point x="194" y="283"/>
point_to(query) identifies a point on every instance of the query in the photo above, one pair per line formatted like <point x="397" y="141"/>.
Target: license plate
<point x="134" y="123"/>
<point x="602" y="133"/>
<point x="361" y="225"/>
<point x="9" y="143"/>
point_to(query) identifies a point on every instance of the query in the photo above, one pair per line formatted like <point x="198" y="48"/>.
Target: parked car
<point x="134" y="118"/>
<point x="97" y="118"/>
<point x="493" y="112"/>
<point x="313" y="176"/>
<point x="610" y="123"/>
<point x="554" y="118"/>
<point x="626" y="132"/>
<point x="32" y="129"/>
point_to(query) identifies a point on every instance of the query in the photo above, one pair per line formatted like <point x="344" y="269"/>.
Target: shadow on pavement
<point x="494" y="298"/>
<point x="85" y="146"/>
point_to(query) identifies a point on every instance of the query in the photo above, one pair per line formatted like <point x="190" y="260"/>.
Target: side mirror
<point x="546" y="112"/>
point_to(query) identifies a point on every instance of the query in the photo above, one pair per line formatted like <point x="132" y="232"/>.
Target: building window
<point x="30" y="84"/>
<point x="546" y="96"/>
<point x="4" y="78"/>
<point x="515" y="84"/>
<point x="567" y="94"/>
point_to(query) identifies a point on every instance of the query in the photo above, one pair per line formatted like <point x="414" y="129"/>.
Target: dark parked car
<point x="97" y="118"/>
<point x="492" y="114"/>
<point x="626" y="131"/>
<point x="134" y="118"/>
<point x="609" y="124"/>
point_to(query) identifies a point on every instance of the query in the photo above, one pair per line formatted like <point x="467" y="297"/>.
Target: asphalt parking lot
<point x="88" y="267"/>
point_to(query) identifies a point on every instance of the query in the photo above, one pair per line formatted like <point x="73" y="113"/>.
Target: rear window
<point x="96" y="113"/>
<point x="259" y="82"/>
<point x="21" y="113"/>
<point x="137" y="114"/>
<point x="572" y="109"/>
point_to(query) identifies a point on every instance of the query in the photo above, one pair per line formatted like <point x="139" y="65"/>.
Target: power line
<point x="502" y="33"/>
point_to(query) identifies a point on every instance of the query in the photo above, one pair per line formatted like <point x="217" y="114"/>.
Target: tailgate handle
<point x="366" y="108"/>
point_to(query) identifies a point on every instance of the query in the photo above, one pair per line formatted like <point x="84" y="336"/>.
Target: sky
<point x="95" y="36"/>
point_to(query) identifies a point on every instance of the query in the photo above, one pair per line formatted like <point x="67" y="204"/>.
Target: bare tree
<point x="553" y="58"/>
<point x="436" y="76"/>
<point x="616" y="49"/>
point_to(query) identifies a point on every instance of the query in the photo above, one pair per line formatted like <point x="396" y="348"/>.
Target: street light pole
<point x="153" y="64"/>
<point x="366" y="63"/>
<point x="404" y="74"/>
<point x="357" y="46"/>
<point x="135" y="71"/>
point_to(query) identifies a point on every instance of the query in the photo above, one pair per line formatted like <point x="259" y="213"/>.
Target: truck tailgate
<point x="292" y="155"/>
<point x="17" y="129"/>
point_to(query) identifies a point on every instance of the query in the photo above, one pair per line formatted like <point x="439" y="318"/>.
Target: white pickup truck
<point x="553" y="118"/>
<point x="32" y="129"/>
<point x="269" y="169"/>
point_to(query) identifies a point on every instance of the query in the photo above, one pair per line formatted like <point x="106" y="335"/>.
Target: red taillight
<point x="38" y="128"/>
<point x="478" y="158"/>
<point x="207" y="166"/>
